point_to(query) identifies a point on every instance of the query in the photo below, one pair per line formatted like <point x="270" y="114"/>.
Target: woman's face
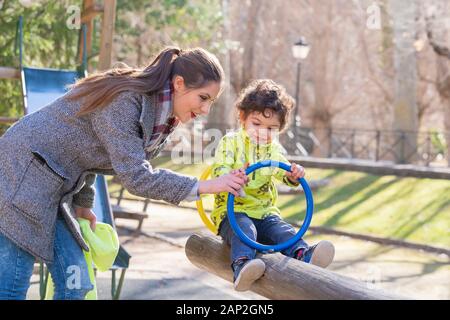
<point x="189" y="103"/>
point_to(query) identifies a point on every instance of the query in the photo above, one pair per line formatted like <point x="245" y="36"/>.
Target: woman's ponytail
<point x="160" y="70"/>
<point x="197" y="67"/>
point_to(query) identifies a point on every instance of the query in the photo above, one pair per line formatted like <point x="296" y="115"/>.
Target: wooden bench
<point x="122" y="213"/>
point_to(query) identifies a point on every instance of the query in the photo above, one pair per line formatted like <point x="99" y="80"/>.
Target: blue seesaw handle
<point x="278" y="247"/>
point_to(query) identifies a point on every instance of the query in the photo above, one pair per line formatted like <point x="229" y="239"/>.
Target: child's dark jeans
<point x="270" y="230"/>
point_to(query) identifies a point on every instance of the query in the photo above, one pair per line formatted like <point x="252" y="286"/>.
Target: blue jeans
<point x="270" y="230"/>
<point x="68" y="269"/>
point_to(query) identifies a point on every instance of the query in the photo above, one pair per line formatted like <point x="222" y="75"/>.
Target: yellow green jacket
<point x="233" y="151"/>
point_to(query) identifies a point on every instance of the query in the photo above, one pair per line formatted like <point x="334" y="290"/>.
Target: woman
<point x="109" y="123"/>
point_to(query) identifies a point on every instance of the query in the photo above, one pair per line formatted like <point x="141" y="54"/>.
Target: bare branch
<point x="372" y="74"/>
<point x="438" y="48"/>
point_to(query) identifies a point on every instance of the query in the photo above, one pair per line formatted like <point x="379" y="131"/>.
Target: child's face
<point x="189" y="103"/>
<point x="261" y="130"/>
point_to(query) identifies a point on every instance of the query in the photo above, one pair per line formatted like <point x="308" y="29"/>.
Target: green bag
<point x="103" y="248"/>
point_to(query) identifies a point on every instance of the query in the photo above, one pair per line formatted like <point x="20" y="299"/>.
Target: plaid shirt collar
<point x="165" y="122"/>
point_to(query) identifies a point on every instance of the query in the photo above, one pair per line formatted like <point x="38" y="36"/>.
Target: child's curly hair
<point x="267" y="97"/>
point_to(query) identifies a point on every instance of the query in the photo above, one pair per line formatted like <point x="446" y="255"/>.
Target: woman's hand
<point x="86" y="213"/>
<point x="297" y="172"/>
<point x="231" y="182"/>
<point x="241" y="172"/>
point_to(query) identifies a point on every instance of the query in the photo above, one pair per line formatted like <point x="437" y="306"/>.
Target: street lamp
<point x="300" y="51"/>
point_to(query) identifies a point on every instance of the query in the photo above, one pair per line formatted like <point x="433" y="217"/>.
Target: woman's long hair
<point x="197" y="66"/>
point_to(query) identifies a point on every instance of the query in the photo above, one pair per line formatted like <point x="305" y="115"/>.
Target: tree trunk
<point x="444" y="93"/>
<point x="440" y="41"/>
<point x="220" y="116"/>
<point x="249" y="65"/>
<point x="447" y="128"/>
<point x="405" y="101"/>
<point x="321" y="117"/>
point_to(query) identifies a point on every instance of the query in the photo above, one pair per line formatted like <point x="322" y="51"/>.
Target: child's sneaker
<point x="320" y="254"/>
<point x="246" y="272"/>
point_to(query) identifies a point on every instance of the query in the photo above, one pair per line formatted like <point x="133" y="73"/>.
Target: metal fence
<point x="428" y="149"/>
<point x="396" y="147"/>
<point x="401" y="147"/>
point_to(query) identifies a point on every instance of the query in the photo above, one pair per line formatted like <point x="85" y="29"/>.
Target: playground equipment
<point x="41" y="86"/>
<point x="285" y="278"/>
<point x="208" y="223"/>
<point x="90" y="10"/>
<point x="232" y="219"/>
<point x="278" y="247"/>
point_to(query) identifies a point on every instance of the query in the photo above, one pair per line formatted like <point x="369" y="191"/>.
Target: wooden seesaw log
<point x="285" y="278"/>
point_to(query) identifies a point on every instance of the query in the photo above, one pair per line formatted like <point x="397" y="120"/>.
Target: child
<point x="263" y="109"/>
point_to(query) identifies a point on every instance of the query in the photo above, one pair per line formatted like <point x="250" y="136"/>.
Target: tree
<point x="143" y="27"/>
<point x="48" y="42"/>
<point x="404" y="15"/>
<point x="439" y="39"/>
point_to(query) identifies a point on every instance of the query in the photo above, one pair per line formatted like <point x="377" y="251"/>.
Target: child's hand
<point x="231" y="182"/>
<point x="86" y="213"/>
<point x="297" y="172"/>
<point x="241" y="172"/>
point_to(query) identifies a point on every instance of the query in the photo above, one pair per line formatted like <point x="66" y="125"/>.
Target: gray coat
<point x="48" y="160"/>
